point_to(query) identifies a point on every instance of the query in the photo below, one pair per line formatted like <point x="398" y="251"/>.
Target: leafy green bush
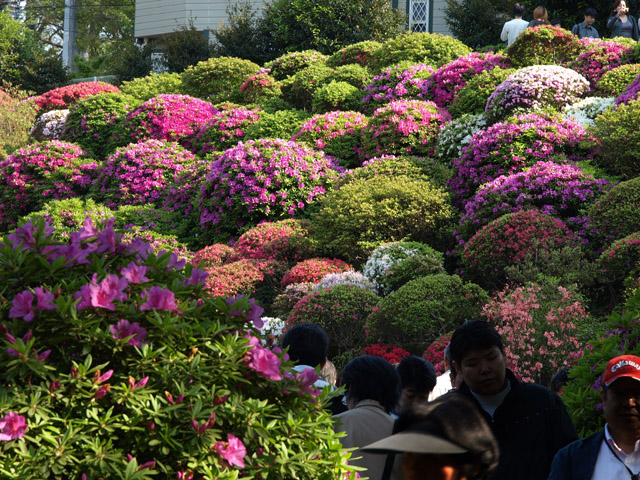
<point x="617" y="132"/>
<point x="425" y="308"/>
<point x="429" y="48"/>
<point x="353" y="74"/>
<point x="616" y="214"/>
<point x="360" y="53"/>
<point x="619" y="262"/>
<point x="614" y="82"/>
<point x="300" y="87"/>
<point x="341" y="311"/>
<point x="185" y="47"/>
<point x="288" y="64"/>
<point x="543" y="45"/>
<point x="366" y="213"/>
<point x="152" y="85"/>
<point x="219" y="78"/>
<point x="472" y="98"/>
<point x="280" y="124"/>
<point x="16" y="118"/>
<point x="475" y="22"/>
<point x="336" y="96"/>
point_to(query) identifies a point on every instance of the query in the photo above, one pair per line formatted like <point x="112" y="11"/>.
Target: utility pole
<point x="70" y="33"/>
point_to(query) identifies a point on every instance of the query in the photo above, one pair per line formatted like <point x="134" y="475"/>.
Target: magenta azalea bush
<point x="403" y="127"/>
<point x="449" y="79"/>
<point x="536" y="87"/>
<point x="64" y="97"/>
<point x="402" y="81"/>
<point x="169" y="117"/>
<point x="599" y="57"/>
<point x="510" y="146"/>
<point x="223" y="131"/>
<point x="553" y="189"/>
<point x="261" y="180"/>
<point x="336" y="133"/>
<point x="138" y="174"/>
<point x="52" y="170"/>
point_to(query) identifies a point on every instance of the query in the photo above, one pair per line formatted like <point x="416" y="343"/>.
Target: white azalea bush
<point x="585" y="111"/>
<point x="350" y="277"/>
<point x="457" y="134"/>
<point x="50" y="125"/>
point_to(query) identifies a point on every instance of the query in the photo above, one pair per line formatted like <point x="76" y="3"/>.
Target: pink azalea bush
<point x="510" y="146"/>
<point x="553" y="189"/>
<point x="169" y="117"/>
<point x="46" y="171"/>
<point x="599" y="57"/>
<point x="139" y="173"/>
<point x="449" y="79"/>
<point x="259" y="87"/>
<point x="261" y="180"/>
<point x="403" y="127"/>
<point x="223" y="131"/>
<point x="402" y="81"/>
<point x="233" y="278"/>
<point x="282" y="241"/>
<point x="212" y="255"/>
<point x="64" y="97"/>
<point x="336" y="133"/>
<point x="313" y="270"/>
<point x="539" y="327"/>
<point x="536" y="87"/>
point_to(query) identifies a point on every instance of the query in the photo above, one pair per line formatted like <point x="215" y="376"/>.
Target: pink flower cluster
<point x="398" y="82"/>
<point x="239" y="277"/>
<point x="224" y="130"/>
<point x="22" y="304"/>
<point x="631" y="92"/>
<point x="216" y="254"/>
<point x="599" y="57"/>
<point x="259" y="86"/>
<point x="12" y="426"/>
<point x="313" y="269"/>
<point x="63" y="97"/>
<point x="277" y="241"/>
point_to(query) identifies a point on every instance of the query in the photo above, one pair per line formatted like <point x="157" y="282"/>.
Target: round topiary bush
<point x="49" y="125"/>
<point x="64" y="97"/>
<point x="355" y="75"/>
<point x="543" y="45"/>
<point x="457" y="134"/>
<point x="402" y="81"/>
<point x="97" y="123"/>
<point x="614" y="82"/>
<point x="336" y="133"/>
<point x="224" y="130"/>
<point x="42" y="172"/>
<point x="558" y="190"/>
<point x="366" y="213"/>
<point x="616" y="214"/>
<point x="452" y="77"/>
<point x="138" y="174"/>
<point x="618" y="263"/>
<point x="509" y="240"/>
<point x="261" y="180"/>
<point x="154" y="84"/>
<point x="335" y="96"/>
<point x="429" y="48"/>
<point x="536" y="87"/>
<point x="391" y="266"/>
<point x="360" y="53"/>
<point x="217" y="78"/>
<point x="280" y="124"/>
<point x="349" y="277"/>
<point x="403" y="127"/>
<point x="425" y="308"/>
<point x="299" y="89"/>
<point x="289" y="64"/>
<point x="285" y="241"/>
<point x="472" y="98"/>
<point x="507" y="147"/>
<point x="169" y="117"/>
<point x="259" y="87"/>
<point x="313" y="270"/>
<point x="585" y="111"/>
<point x="387" y="165"/>
<point x="241" y="277"/>
<point x="599" y="57"/>
<point x="341" y="311"/>
<point x="212" y="255"/>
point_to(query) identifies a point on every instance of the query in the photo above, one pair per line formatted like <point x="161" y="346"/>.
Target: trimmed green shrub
<point x="289" y="64"/>
<point x="616" y="214"/>
<point x="360" y="53"/>
<point x="341" y="311"/>
<point x="298" y="89"/>
<point x="259" y="87"/>
<point x="355" y="75"/>
<point x="336" y="96"/>
<point x="17" y="116"/>
<point x="160" y="220"/>
<point x="280" y="124"/>
<point x="153" y="85"/>
<point x="424" y="309"/>
<point x="472" y="98"/>
<point x="367" y="213"/>
<point x="217" y="78"/>
<point x="429" y="48"/>
<point x="614" y="82"/>
<point x="543" y="45"/>
<point x="619" y="262"/>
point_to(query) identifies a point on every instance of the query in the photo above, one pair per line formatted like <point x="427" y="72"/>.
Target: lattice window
<point x="419" y="15"/>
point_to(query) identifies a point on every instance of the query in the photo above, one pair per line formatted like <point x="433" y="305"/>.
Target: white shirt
<point x="318" y="383"/>
<point x="512" y="29"/>
<point x="608" y="466"/>
<point x="490" y="403"/>
<point x="443" y="385"/>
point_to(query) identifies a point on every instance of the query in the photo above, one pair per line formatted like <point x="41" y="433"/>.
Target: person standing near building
<point x="514" y="27"/>
<point x="586" y="29"/>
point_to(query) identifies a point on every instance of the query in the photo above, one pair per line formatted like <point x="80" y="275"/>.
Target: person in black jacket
<point x="529" y="421"/>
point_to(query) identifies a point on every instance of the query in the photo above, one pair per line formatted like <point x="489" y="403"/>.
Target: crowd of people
<point x="619" y="23"/>
<point x="477" y="420"/>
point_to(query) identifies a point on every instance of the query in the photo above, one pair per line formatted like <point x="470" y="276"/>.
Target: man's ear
<point x="457" y="367"/>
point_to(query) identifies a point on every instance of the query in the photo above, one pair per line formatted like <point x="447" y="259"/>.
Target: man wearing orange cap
<point x="615" y="452"/>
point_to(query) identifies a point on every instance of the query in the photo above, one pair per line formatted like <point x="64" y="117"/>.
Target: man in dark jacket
<point x="614" y="452"/>
<point x="529" y="421"/>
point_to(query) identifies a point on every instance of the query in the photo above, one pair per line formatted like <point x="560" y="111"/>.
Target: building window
<point x="419" y="11"/>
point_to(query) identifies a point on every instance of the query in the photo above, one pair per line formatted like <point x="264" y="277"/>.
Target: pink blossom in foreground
<point x="134" y="273"/>
<point x="124" y="329"/>
<point x="159" y="298"/>
<point x="44" y="299"/>
<point x="263" y="360"/>
<point x="22" y="306"/>
<point x="233" y="450"/>
<point x="12" y="426"/>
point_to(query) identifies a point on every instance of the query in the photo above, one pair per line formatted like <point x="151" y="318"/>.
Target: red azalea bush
<point x="213" y="255"/>
<point x="539" y="327"/>
<point x="64" y="97"/>
<point x="403" y="127"/>
<point x="313" y="269"/>
<point x="599" y="57"/>
<point x="391" y="353"/>
<point x="223" y="131"/>
<point x="169" y="117"/>
<point x="234" y="278"/>
<point x="435" y="353"/>
<point x="359" y="53"/>
<point x="282" y="241"/>
<point x="260" y="86"/>
<point x="52" y="170"/>
<point x="138" y="174"/>
<point x="511" y="239"/>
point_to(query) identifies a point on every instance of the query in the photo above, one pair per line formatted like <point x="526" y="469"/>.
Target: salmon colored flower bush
<point x="391" y="353"/>
<point x="233" y="278"/>
<point x="222" y="131"/>
<point x="283" y="241"/>
<point x="64" y="97"/>
<point x="213" y="255"/>
<point x="313" y="270"/>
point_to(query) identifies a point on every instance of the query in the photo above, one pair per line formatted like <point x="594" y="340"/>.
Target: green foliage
<point x="129" y="61"/>
<point x="429" y="48"/>
<point x="17" y="116"/>
<point x="184" y="48"/>
<point x="280" y="124"/>
<point x="616" y="215"/>
<point x="617" y="131"/>
<point x="424" y="309"/>
<point x="336" y="96"/>
<point x="300" y="87"/>
<point x="355" y="75"/>
<point x="475" y="22"/>
<point x="360" y="53"/>
<point x="341" y="311"/>
<point x="288" y="64"/>
<point x="152" y="85"/>
<point x="219" y="78"/>
<point x="614" y="82"/>
<point x="619" y="262"/>
<point x="365" y="214"/>
<point x="472" y="98"/>
<point x="543" y="45"/>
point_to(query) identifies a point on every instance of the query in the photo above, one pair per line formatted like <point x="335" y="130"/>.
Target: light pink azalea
<point x="12" y="426"/>
<point x="233" y="450"/>
<point x="159" y="298"/>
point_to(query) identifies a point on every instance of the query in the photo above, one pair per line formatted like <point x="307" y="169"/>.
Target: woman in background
<point x="620" y="23"/>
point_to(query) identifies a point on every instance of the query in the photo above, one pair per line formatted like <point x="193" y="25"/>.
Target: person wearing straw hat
<point x="613" y="453"/>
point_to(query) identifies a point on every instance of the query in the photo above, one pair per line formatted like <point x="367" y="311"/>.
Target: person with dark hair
<point x="540" y="17"/>
<point x="515" y="27"/>
<point x="586" y="29"/>
<point x="529" y="421"/>
<point x="444" y="439"/>
<point x="556" y="22"/>
<point x="614" y="452"/>
<point x="307" y="346"/>
<point x="620" y="23"/>
<point x="372" y="390"/>
<point x="559" y="380"/>
<point x="417" y="377"/>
